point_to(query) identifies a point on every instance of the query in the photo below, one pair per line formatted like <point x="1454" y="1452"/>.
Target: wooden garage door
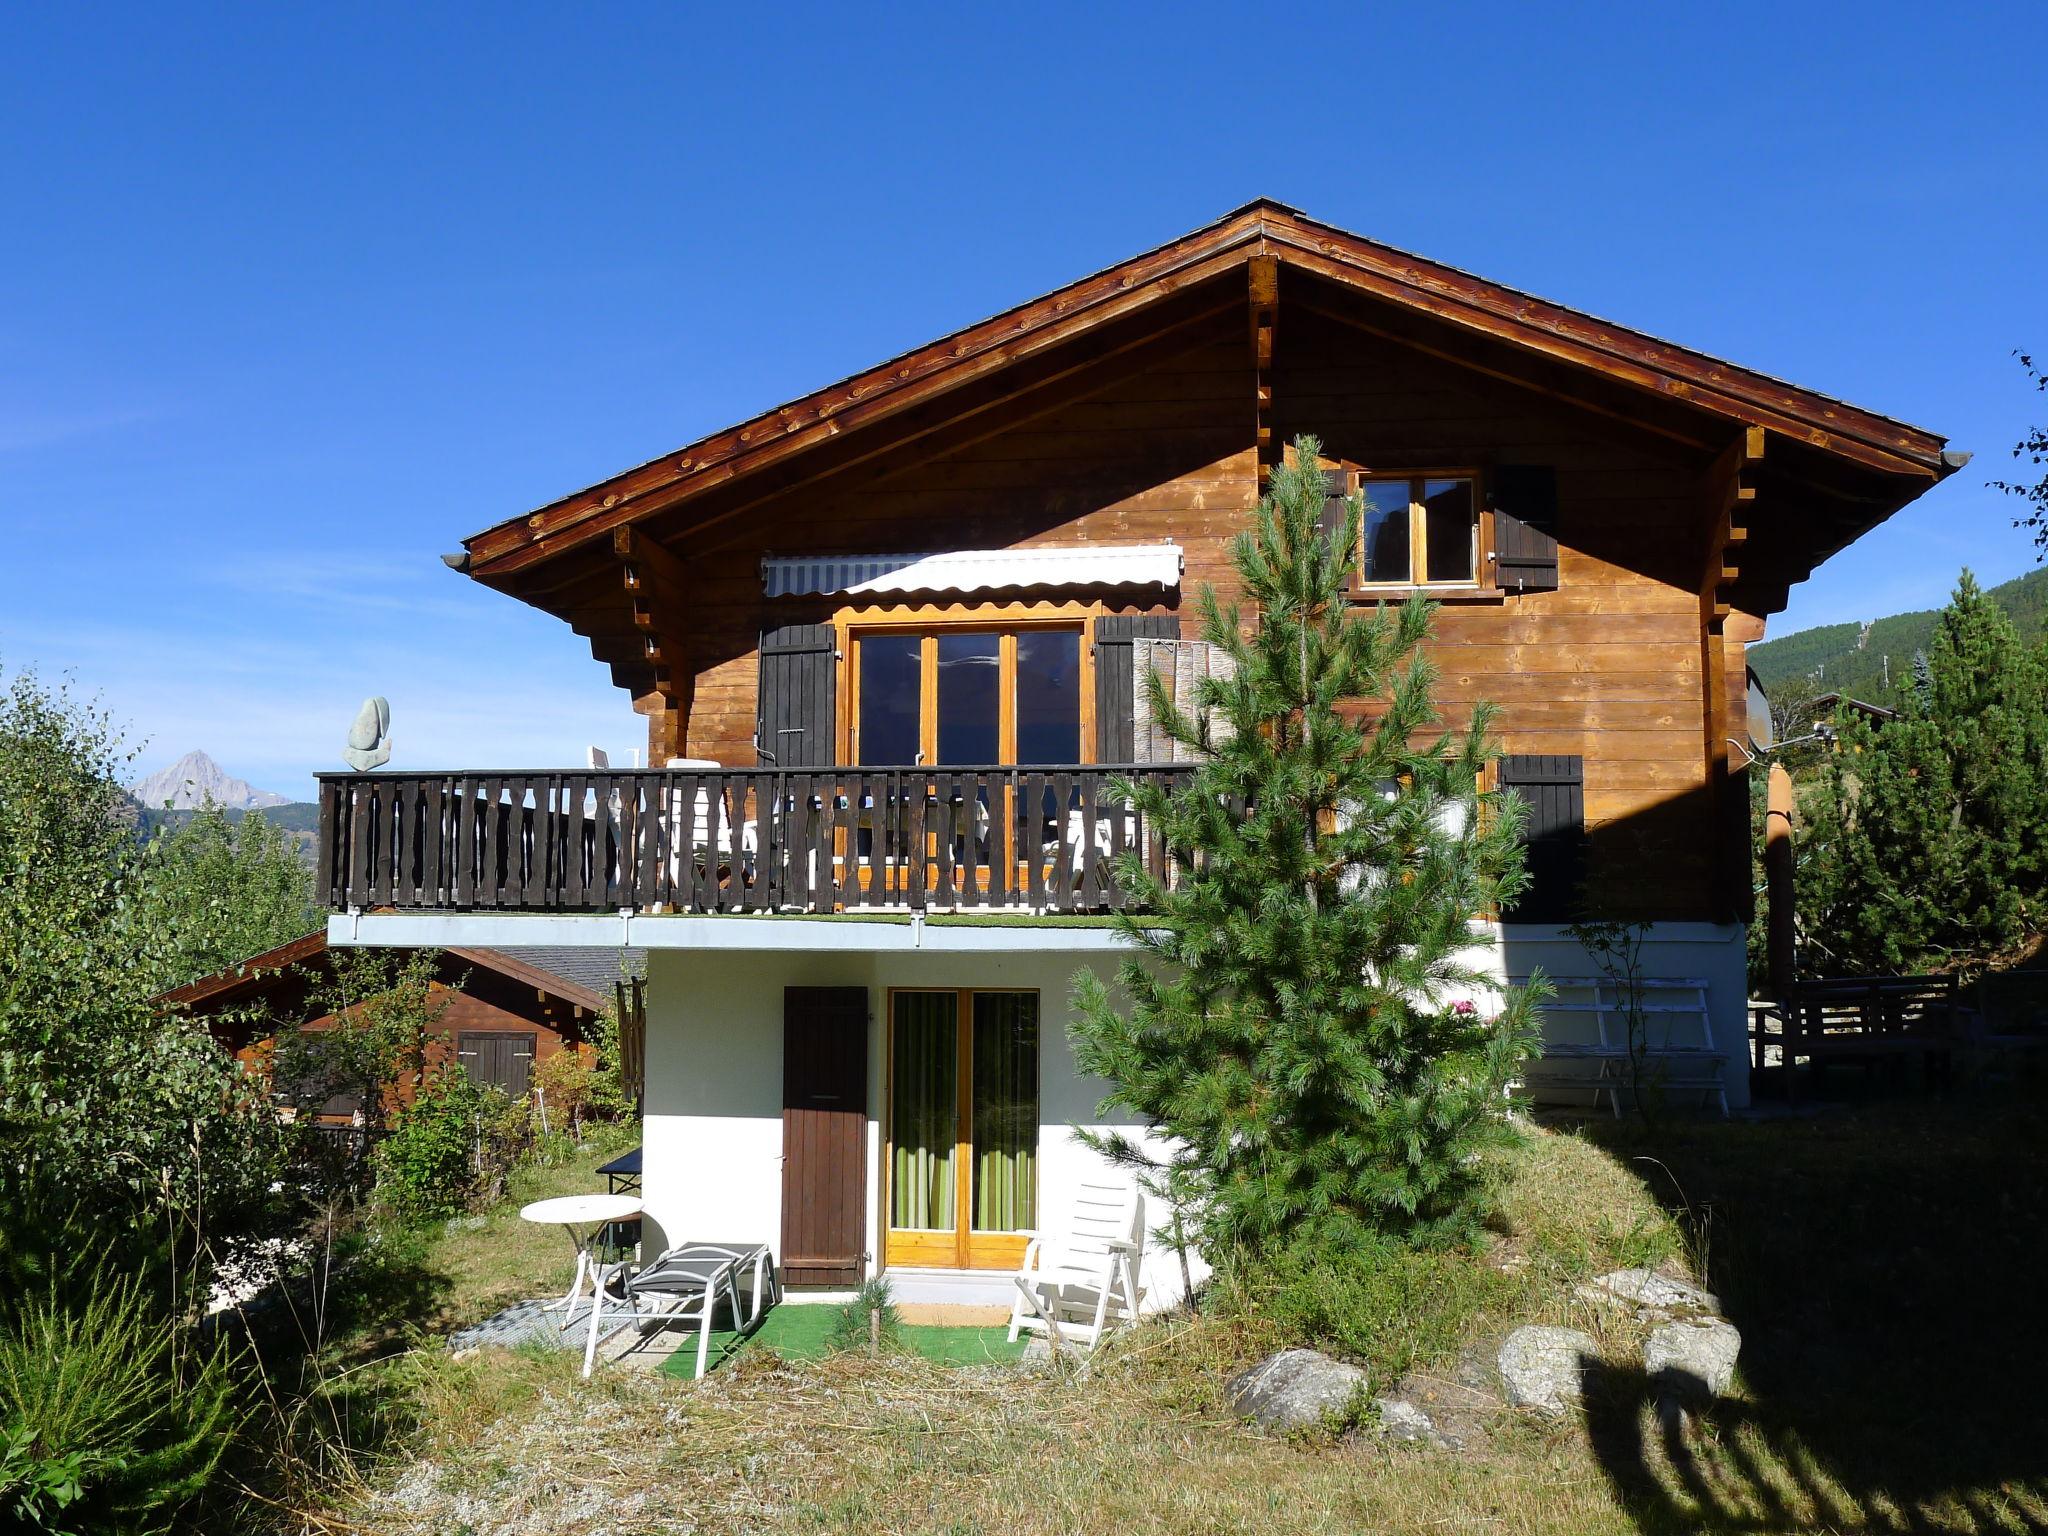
<point x="502" y="1059"/>
<point x="824" y="1134"/>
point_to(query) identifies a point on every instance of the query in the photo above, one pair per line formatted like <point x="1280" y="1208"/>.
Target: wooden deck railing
<point x="732" y="840"/>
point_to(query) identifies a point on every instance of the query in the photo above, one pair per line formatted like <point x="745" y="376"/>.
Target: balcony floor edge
<point x="765" y="934"/>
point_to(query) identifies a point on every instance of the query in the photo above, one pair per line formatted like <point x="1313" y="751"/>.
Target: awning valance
<point x="975" y="570"/>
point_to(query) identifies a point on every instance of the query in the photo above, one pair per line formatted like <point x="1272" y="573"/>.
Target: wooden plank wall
<point x="1165" y="454"/>
<point x="1607" y="668"/>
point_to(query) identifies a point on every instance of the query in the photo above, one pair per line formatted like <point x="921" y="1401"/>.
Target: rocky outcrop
<point x="1295" y="1389"/>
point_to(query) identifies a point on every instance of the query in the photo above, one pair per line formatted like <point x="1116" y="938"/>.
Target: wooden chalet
<point x="501" y="1014"/>
<point x="888" y="638"/>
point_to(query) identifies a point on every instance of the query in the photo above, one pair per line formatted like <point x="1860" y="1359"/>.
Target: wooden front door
<point x="824" y="1135"/>
<point x="500" y="1058"/>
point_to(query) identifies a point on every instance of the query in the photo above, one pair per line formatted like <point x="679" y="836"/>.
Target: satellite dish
<point x="369" y="739"/>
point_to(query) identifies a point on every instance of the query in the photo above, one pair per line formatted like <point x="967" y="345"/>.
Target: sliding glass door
<point x="963" y="1127"/>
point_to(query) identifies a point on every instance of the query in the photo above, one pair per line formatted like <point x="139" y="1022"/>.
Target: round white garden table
<point x="582" y="1217"/>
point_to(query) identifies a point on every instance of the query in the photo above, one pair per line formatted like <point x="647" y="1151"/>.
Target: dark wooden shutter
<point x="824" y="1135"/>
<point x="504" y="1060"/>
<point x="1553" y="788"/>
<point x="1332" y="522"/>
<point x="1524" y="502"/>
<point x="1114" y="633"/>
<point x="796" y="725"/>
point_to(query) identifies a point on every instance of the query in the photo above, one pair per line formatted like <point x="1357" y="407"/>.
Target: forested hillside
<point x="1873" y="662"/>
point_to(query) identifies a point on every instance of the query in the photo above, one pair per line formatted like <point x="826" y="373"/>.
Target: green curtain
<point x="924" y="1117"/>
<point x="1005" y="1111"/>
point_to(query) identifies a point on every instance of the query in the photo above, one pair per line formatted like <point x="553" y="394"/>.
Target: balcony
<point x="767" y="840"/>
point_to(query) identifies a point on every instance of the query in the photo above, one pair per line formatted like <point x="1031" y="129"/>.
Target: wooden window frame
<point x="1006" y="621"/>
<point x="963" y="1247"/>
<point x="1481" y="579"/>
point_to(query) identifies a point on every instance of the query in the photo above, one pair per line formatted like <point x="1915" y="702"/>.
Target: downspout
<point x="1778" y="877"/>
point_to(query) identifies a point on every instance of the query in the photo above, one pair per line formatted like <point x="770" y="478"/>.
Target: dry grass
<point x="1142" y="1443"/>
<point x="1142" y="1446"/>
<point x="482" y="1263"/>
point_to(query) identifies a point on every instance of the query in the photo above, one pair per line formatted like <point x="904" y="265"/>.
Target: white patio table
<point x="583" y="1217"/>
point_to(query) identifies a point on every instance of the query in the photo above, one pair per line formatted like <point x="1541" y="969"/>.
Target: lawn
<point x="1884" y="1264"/>
<point x="800" y="1332"/>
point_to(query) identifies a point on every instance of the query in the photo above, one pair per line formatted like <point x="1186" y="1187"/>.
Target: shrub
<point x="450" y="1148"/>
<point x="111" y="1417"/>
<point x="566" y="1087"/>
<point x="868" y="1323"/>
<point x="1386" y="1305"/>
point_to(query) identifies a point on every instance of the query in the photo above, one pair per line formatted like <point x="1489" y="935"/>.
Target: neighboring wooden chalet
<point x="503" y="1013"/>
<point x="886" y="638"/>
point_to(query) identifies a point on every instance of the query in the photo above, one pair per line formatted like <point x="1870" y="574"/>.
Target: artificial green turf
<point x="799" y="1333"/>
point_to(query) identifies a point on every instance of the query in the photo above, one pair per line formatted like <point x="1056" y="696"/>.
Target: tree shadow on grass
<point x="1887" y="1268"/>
<point x="1736" y="1468"/>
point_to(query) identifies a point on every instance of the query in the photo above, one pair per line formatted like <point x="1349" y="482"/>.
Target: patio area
<point x="794" y="1331"/>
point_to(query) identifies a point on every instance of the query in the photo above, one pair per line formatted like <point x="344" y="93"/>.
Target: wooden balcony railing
<point x="732" y="840"/>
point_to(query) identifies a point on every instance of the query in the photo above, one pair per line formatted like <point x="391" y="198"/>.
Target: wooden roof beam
<point x="1643" y="361"/>
<point x="803" y="425"/>
<point x="1697" y="440"/>
<point x="655" y="585"/>
<point x="1262" y="288"/>
<point x="951" y="425"/>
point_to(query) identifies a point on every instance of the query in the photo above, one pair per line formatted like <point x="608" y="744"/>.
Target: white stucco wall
<point x="713" y="1133"/>
<point x="1708" y="952"/>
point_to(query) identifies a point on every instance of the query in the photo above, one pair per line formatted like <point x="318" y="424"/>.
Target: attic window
<point x="1420" y="531"/>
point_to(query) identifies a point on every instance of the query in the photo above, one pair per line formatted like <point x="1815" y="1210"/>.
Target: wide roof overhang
<point x="1846" y="468"/>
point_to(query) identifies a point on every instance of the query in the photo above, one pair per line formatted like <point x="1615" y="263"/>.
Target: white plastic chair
<point x="1080" y="1288"/>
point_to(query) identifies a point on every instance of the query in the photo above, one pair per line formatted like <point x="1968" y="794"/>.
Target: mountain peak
<point x="195" y="778"/>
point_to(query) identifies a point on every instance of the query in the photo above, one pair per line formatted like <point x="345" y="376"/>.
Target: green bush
<point x="111" y="1417"/>
<point x="449" y="1149"/>
<point x="1387" y="1306"/>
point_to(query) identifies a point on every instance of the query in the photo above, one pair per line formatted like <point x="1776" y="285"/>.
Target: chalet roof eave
<point x="249" y="975"/>
<point x="1263" y="226"/>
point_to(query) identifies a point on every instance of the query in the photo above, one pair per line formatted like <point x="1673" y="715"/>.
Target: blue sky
<point x="291" y="302"/>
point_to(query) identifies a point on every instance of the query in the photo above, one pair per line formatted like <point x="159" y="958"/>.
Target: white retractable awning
<point x="975" y="570"/>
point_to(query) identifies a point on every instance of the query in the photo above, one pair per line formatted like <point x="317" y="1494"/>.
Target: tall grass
<point x="114" y="1417"/>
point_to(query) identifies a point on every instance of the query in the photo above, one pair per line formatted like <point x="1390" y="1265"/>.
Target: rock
<point x="1295" y="1389"/>
<point x="1651" y="1293"/>
<point x="1403" y="1420"/>
<point x="455" y="1224"/>
<point x="1692" y="1359"/>
<point x="1539" y="1367"/>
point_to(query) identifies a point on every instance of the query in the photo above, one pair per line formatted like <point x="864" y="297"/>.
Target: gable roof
<point x="259" y="974"/>
<point x="1906" y="458"/>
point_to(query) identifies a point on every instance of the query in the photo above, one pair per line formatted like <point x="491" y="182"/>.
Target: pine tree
<point x="1299" y="1028"/>
<point x="1930" y="838"/>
